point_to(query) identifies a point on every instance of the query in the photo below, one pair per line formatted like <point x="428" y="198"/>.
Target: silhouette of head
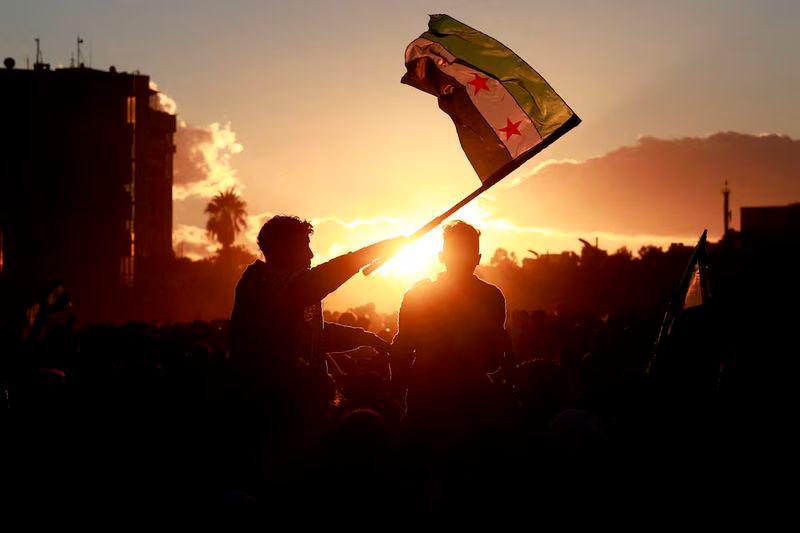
<point x="285" y="242"/>
<point x="461" y="251"/>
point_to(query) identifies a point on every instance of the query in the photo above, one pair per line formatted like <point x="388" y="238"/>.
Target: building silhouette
<point x="772" y="227"/>
<point x="86" y="180"/>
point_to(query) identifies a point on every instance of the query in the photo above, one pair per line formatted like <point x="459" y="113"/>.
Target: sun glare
<point x="421" y="258"/>
<point x="418" y="259"/>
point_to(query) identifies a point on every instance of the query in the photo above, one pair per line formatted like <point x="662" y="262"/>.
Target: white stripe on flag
<point x="496" y="104"/>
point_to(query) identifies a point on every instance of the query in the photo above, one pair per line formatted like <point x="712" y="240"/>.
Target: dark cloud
<point x="660" y="186"/>
<point x="190" y="164"/>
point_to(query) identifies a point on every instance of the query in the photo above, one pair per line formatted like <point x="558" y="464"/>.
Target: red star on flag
<point x="512" y="128"/>
<point x="479" y="83"/>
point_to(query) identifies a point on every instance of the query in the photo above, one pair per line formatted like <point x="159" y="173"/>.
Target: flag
<point x="692" y="291"/>
<point x="503" y="110"/>
<point x="695" y="295"/>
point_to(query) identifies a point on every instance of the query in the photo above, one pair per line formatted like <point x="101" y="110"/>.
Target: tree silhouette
<point x="226" y="217"/>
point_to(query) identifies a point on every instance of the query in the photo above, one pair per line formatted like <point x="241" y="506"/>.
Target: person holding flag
<point x="504" y="113"/>
<point x="280" y="391"/>
<point x="277" y="331"/>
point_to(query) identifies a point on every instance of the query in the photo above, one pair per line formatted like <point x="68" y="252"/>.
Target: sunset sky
<point x="299" y="106"/>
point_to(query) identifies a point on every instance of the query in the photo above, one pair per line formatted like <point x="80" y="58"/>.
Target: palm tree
<point x="226" y="217"/>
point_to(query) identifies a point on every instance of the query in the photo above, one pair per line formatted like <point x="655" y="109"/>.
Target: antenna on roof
<point x="39" y="59"/>
<point x="79" y="56"/>
<point x="726" y="194"/>
<point x="39" y="64"/>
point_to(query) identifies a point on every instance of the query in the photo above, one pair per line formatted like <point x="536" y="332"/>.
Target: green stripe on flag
<point x="534" y="95"/>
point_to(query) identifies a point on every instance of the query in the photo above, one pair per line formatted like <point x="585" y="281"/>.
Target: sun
<point x="418" y="259"/>
<point x="421" y="258"/>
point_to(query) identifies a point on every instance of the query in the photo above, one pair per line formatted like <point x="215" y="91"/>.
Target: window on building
<point x="131" y="110"/>
<point x="126" y="271"/>
<point x="126" y="264"/>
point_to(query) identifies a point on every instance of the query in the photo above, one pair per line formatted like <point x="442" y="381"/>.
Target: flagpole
<point x="375" y="265"/>
<point x="501" y="173"/>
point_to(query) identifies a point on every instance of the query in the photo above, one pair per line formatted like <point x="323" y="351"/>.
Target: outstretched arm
<point x="339" y="338"/>
<point x="314" y="284"/>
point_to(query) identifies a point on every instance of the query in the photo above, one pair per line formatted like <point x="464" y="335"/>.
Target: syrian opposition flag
<point x="503" y="110"/>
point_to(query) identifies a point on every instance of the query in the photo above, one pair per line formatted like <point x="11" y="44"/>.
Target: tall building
<point x="85" y="183"/>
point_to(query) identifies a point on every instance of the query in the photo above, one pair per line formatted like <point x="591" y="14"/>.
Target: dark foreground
<point x="136" y="416"/>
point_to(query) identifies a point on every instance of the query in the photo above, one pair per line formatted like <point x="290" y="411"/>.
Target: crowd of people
<point x="460" y="408"/>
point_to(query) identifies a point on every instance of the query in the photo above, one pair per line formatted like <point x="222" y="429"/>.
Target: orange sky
<point x="299" y="106"/>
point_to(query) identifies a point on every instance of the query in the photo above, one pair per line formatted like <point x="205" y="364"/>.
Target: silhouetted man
<point x="279" y="338"/>
<point x="278" y="335"/>
<point x="451" y="334"/>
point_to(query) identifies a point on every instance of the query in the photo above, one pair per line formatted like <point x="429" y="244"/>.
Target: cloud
<point x="659" y="186"/>
<point x="201" y="169"/>
<point x="163" y="101"/>
<point x="254" y="222"/>
<point x="192" y="242"/>
<point x="656" y="191"/>
<point x="514" y="181"/>
<point x="202" y="166"/>
<point x="350" y="224"/>
<point x="189" y="163"/>
<point x="330" y="233"/>
<point x="507" y="227"/>
<point x="336" y="235"/>
<point x="202" y="162"/>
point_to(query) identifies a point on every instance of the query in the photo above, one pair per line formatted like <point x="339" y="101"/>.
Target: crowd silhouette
<point x="455" y="406"/>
